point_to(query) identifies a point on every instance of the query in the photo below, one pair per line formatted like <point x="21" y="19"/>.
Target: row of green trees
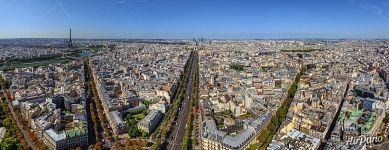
<point x="131" y="144"/>
<point x="99" y="120"/>
<point x="188" y="136"/>
<point x="266" y="135"/>
<point x="196" y="92"/>
<point x="132" y="121"/>
<point x="15" y="63"/>
<point x="160" y="135"/>
<point x="13" y="138"/>
<point x="24" y="123"/>
<point x="92" y="108"/>
<point x="28" y="130"/>
<point x="4" y="84"/>
<point x="237" y="67"/>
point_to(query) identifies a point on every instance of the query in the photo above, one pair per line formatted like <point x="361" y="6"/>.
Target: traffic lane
<point x="185" y="111"/>
<point x="178" y="133"/>
<point x="180" y="129"/>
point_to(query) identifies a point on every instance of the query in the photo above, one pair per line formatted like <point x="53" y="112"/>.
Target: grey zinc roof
<point x="56" y="136"/>
<point x="115" y="115"/>
<point x="238" y="140"/>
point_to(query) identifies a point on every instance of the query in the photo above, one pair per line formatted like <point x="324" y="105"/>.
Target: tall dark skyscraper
<point x="70" y="43"/>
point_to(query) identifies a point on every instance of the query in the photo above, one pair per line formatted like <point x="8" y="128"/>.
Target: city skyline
<point x="162" y="19"/>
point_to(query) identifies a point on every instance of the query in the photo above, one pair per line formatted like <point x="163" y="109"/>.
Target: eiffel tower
<point x="70" y="42"/>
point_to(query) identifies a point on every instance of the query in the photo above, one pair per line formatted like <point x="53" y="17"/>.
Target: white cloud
<point x="379" y="7"/>
<point x="60" y="6"/>
<point x="121" y="1"/>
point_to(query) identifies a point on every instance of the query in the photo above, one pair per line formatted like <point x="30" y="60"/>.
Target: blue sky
<point x="176" y="19"/>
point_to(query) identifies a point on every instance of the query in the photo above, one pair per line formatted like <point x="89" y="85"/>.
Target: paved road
<point x="90" y="98"/>
<point x="179" y="124"/>
<point x="91" y="136"/>
<point x="26" y="137"/>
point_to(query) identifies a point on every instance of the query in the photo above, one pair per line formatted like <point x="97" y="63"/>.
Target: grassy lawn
<point x="224" y="113"/>
<point x="19" y="64"/>
<point x="237" y="67"/>
<point x="139" y="117"/>
<point x="220" y="116"/>
<point x="147" y="103"/>
<point x="246" y="116"/>
<point x="133" y="120"/>
<point x="253" y="146"/>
